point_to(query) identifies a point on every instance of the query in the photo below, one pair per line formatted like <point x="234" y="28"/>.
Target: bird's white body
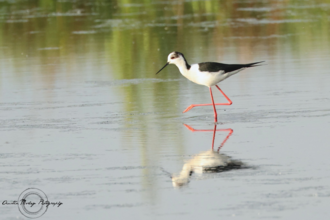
<point x="200" y="77"/>
<point x="203" y="78"/>
<point x="202" y="162"/>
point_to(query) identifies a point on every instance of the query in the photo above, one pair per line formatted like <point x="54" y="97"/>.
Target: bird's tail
<point x="253" y="64"/>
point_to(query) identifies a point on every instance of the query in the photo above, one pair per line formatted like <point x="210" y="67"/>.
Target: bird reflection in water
<point x="210" y="161"/>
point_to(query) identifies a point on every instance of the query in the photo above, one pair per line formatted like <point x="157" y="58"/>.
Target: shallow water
<point x="85" y="119"/>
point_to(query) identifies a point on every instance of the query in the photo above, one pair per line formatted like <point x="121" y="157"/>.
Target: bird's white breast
<point x="203" y="78"/>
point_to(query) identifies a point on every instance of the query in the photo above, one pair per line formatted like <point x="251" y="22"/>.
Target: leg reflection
<point x="209" y="161"/>
<point x="214" y="132"/>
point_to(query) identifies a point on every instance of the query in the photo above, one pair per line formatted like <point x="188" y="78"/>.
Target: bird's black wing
<point x="216" y="67"/>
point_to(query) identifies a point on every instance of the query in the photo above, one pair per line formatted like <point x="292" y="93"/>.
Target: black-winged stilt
<point x="207" y="74"/>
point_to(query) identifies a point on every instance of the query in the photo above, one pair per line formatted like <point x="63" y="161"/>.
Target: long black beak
<point x="163" y="67"/>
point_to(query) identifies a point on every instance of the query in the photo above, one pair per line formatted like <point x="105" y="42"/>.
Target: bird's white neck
<point x="183" y="66"/>
<point x="185" y="172"/>
<point x="183" y="177"/>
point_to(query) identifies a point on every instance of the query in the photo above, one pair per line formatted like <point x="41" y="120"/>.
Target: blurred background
<point x="84" y="117"/>
<point x="127" y="36"/>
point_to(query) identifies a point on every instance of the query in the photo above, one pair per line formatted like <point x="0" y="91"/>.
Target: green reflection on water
<point x="138" y="35"/>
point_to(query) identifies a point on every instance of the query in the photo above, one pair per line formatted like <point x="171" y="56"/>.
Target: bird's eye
<point x="172" y="57"/>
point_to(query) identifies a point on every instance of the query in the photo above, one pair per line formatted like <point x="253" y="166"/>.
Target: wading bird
<point x="207" y="74"/>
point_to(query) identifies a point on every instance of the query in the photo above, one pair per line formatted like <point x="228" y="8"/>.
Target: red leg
<point x="195" y="105"/>
<point x="229" y="101"/>
<point x="215" y="111"/>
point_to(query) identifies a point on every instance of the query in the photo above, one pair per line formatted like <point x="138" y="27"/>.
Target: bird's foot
<point x="196" y="105"/>
<point x="190" y="107"/>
